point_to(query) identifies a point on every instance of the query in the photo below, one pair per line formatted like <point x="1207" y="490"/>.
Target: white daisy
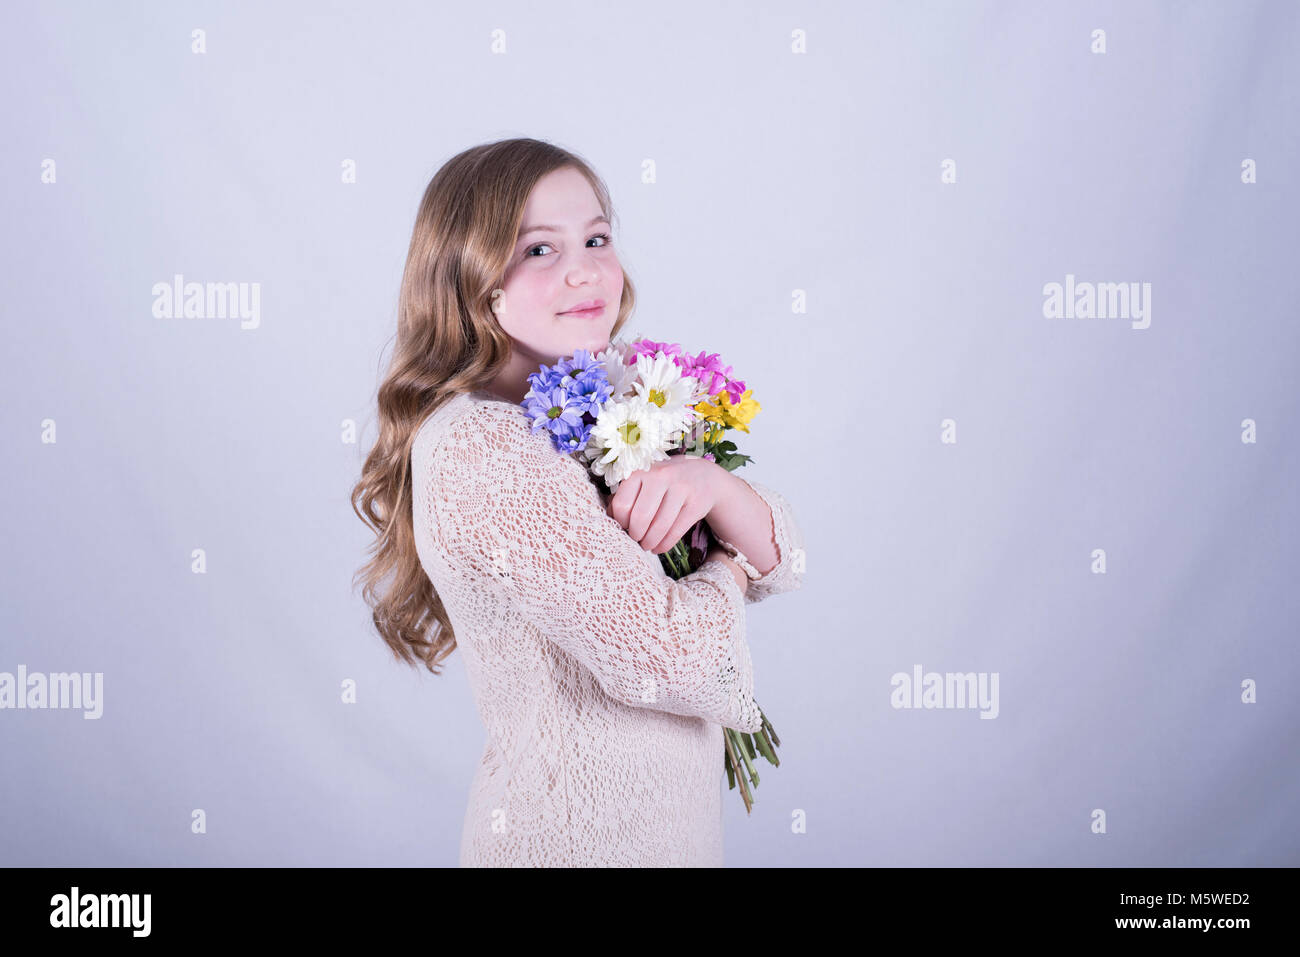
<point x="660" y="382"/>
<point x="620" y="374"/>
<point x="629" y="435"/>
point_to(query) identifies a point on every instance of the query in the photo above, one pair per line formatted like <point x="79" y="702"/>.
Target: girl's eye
<point x="605" y="236"/>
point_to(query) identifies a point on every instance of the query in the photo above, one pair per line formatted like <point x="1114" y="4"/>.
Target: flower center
<point x="658" y="398"/>
<point x="631" y="433"/>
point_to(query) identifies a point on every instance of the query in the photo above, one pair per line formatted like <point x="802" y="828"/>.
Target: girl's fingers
<point x="685" y="521"/>
<point x="644" y="510"/>
<point x="673" y="521"/>
<point x="621" y="502"/>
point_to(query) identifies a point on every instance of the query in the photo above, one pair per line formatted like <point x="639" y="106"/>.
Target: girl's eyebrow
<point x="556" y="229"/>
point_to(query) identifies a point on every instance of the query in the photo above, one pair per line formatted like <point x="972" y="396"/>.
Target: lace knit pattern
<point x="602" y="683"/>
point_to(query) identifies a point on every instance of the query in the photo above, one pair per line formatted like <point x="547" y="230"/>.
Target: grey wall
<point x="775" y="172"/>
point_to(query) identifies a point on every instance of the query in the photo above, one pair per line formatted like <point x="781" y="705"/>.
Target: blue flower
<point x="571" y="439"/>
<point x="565" y="399"/>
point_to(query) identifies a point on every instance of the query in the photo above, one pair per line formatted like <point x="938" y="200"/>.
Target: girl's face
<point x="563" y="259"/>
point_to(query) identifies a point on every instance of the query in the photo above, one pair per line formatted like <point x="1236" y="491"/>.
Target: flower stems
<point x="677" y="560"/>
<point x="730" y="762"/>
<point x="740" y="748"/>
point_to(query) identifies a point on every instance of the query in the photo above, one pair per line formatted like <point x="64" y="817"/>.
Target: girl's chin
<point x="593" y="344"/>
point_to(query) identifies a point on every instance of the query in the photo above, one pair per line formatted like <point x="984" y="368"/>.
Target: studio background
<point x="864" y="230"/>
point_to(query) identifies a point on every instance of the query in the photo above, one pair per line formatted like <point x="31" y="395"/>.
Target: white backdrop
<point x="860" y="205"/>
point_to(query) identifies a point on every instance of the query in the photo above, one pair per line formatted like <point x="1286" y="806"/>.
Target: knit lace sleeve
<point x="787" y="537"/>
<point x="521" y="517"/>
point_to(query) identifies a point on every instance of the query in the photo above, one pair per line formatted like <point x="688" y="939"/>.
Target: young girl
<point x="603" y="684"/>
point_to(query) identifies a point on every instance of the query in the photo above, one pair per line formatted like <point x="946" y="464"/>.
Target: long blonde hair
<point x="448" y="342"/>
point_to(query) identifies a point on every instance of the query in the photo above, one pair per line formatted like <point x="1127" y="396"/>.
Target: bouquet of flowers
<point x="630" y="406"/>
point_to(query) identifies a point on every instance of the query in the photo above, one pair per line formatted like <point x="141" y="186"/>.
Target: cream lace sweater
<point x="602" y="683"/>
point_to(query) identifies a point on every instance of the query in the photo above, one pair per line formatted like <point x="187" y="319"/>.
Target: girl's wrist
<point x="718" y="554"/>
<point x="723" y="485"/>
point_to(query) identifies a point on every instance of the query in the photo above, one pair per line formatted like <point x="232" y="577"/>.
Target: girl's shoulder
<point x="476" y="441"/>
<point x="472" y="417"/>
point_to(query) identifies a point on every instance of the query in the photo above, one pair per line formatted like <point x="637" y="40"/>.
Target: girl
<point x="602" y="683"/>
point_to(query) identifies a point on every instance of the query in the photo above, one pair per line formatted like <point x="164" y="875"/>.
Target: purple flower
<point x="585" y="378"/>
<point x="568" y="439"/>
<point x="565" y="399"/>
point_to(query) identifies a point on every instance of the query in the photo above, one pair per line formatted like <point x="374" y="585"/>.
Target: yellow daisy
<point x="721" y="411"/>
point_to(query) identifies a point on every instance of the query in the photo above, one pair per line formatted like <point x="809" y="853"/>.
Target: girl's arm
<point x="757" y="527"/>
<point x="744" y="520"/>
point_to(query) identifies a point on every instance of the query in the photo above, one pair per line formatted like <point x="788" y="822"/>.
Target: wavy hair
<point x="448" y="342"/>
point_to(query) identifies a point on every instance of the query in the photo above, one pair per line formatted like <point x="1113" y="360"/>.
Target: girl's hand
<point x="657" y="506"/>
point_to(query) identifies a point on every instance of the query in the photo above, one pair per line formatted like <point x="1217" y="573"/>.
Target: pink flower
<point x="645" y="347"/>
<point x="713" y="375"/>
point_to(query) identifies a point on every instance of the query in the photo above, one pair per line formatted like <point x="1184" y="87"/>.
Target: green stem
<point x="767" y="727"/>
<point x="727" y="734"/>
<point x="677" y="560"/>
<point x="671" y="555"/>
<point x="764" y="745"/>
<point x="684" y="556"/>
<point x="740" y="747"/>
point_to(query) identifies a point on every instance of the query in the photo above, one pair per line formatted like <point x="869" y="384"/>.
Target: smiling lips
<point x="589" y="309"/>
